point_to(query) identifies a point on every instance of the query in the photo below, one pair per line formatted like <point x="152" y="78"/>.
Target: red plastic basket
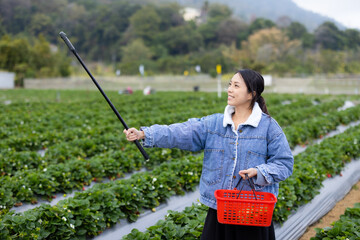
<point x="243" y="208"/>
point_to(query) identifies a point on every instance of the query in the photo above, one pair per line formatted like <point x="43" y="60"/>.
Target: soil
<point x="348" y="201"/>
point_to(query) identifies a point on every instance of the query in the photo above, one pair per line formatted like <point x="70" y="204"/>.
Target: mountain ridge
<point x="269" y="9"/>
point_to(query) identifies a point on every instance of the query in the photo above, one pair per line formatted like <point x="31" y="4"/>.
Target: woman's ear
<point x="252" y="95"/>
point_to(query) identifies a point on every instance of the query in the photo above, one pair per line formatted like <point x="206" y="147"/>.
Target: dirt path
<point x="348" y="201"/>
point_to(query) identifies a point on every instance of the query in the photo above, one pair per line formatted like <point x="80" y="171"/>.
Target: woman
<point x="243" y="140"/>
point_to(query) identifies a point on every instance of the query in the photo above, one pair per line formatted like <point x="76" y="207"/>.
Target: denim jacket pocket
<point x="254" y="159"/>
<point x="212" y="166"/>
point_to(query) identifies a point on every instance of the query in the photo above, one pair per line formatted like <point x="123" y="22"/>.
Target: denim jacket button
<point x="233" y="158"/>
<point x="240" y="131"/>
<point x="234" y="177"/>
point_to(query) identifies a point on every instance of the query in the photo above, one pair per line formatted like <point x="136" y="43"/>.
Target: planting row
<point x="317" y="127"/>
<point x="91" y="211"/>
<point x="33" y="126"/>
<point x="347" y="227"/>
<point x="28" y="185"/>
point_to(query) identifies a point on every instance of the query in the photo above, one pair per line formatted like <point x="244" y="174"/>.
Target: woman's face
<point x="237" y="92"/>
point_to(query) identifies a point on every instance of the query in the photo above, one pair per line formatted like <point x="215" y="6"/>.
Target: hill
<point x="269" y="9"/>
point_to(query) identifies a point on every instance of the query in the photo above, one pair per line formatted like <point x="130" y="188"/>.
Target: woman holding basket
<point x="244" y="140"/>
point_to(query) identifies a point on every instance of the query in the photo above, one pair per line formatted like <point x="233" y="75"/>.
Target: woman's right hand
<point x="133" y="134"/>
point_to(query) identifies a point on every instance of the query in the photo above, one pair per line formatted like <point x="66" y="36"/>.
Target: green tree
<point x="308" y="40"/>
<point x="215" y="15"/>
<point x="170" y="16"/>
<point x="135" y="51"/>
<point x="296" y="30"/>
<point x="330" y="61"/>
<point x="42" y="57"/>
<point x="219" y="11"/>
<point x="208" y="32"/>
<point x="260" y="23"/>
<point x="13" y="52"/>
<point x="2" y="28"/>
<point x="270" y="48"/>
<point x="228" y="31"/>
<point x="16" y="15"/>
<point x="145" y="23"/>
<point x="41" y="23"/>
<point x="329" y="36"/>
<point x="352" y="38"/>
<point x="181" y="40"/>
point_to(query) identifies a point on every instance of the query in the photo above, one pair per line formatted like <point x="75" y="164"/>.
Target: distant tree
<point x="13" y="52"/>
<point x="268" y="46"/>
<point x="308" y="40"/>
<point x="42" y="59"/>
<point x="219" y="11"/>
<point x="2" y="28"/>
<point x="16" y="15"/>
<point x="17" y="55"/>
<point x="228" y="30"/>
<point x="260" y="23"/>
<point x="233" y="53"/>
<point x="50" y="7"/>
<point x="330" y="61"/>
<point x="329" y="36"/>
<point x="135" y="51"/>
<point x="41" y="23"/>
<point x="169" y="16"/>
<point x="352" y="38"/>
<point x="181" y="40"/>
<point x="146" y="23"/>
<point x="101" y="30"/>
<point x="208" y="32"/>
<point x="295" y="30"/>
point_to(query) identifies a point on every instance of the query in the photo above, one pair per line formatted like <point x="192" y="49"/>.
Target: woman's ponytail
<point x="261" y="101"/>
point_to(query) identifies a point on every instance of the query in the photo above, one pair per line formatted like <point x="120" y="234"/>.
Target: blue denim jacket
<point x="258" y="143"/>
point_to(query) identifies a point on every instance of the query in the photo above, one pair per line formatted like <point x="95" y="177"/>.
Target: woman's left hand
<point x="252" y="172"/>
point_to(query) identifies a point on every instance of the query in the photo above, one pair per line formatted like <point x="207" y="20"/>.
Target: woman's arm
<point x="189" y="135"/>
<point x="280" y="163"/>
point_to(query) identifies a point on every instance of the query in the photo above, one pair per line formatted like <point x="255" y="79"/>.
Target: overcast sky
<point x="346" y="12"/>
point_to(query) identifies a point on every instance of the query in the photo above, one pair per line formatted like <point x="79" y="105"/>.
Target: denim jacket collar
<point x="253" y="120"/>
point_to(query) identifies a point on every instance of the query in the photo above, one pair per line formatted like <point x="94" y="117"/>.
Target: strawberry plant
<point x="347" y="227"/>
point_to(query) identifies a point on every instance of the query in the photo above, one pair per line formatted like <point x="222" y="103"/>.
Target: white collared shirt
<point x="253" y="120"/>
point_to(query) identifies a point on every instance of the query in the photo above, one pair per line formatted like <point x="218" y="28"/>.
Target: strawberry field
<point x="60" y="142"/>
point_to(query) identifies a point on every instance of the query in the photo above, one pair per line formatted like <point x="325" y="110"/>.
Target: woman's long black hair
<point x="254" y="83"/>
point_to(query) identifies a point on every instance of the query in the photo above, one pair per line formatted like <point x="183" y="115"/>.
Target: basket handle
<point x="251" y="184"/>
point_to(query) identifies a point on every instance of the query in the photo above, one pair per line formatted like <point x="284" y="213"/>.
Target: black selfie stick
<point x="72" y="48"/>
